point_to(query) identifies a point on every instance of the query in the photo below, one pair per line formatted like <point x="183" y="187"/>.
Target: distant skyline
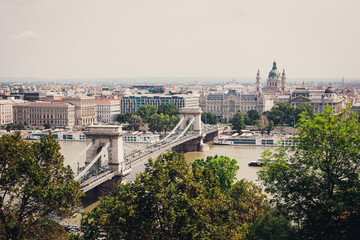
<point x="64" y="39"/>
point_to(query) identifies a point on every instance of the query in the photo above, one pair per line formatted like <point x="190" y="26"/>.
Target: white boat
<point x="254" y="140"/>
<point x="257" y="163"/>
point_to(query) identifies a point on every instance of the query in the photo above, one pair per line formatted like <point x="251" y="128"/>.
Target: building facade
<point x="130" y="103"/>
<point x="52" y="114"/>
<point x="107" y="110"/>
<point x="85" y="109"/>
<point x="318" y="100"/>
<point x="276" y="82"/>
<point x="225" y="105"/>
<point x="6" y="113"/>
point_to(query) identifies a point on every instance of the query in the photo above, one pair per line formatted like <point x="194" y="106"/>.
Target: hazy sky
<point x="179" y="38"/>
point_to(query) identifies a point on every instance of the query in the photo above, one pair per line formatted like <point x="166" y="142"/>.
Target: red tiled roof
<point x="108" y="101"/>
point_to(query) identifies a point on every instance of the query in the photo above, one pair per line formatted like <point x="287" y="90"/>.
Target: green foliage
<point x="34" y="183"/>
<point x="157" y="122"/>
<point x="223" y="169"/>
<point x="283" y="113"/>
<point x="271" y="227"/>
<point x="167" y="201"/>
<point x="302" y="109"/>
<point x="124" y="118"/>
<point x="15" y="126"/>
<point x="136" y="122"/>
<point x="168" y="109"/>
<point x="251" y="117"/>
<point x="46" y="229"/>
<point x="209" y="118"/>
<point x="320" y="190"/>
<point x="238" y="122"/>
<point x="161" y="122"/>
<point x="145" y="112"/>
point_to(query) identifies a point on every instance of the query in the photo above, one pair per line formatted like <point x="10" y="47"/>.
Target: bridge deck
<point x="141" y="155"/>
<point x="95" y="181"/>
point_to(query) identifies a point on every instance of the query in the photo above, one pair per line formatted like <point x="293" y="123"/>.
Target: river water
<point x="242" y="154"/>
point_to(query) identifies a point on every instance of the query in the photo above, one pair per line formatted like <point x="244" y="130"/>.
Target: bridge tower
<point x="188" y="113"/>
<point x="192" y="114"/>
<point x="100" y="136"/>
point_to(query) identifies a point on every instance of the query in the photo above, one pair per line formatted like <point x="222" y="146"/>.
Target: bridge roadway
<point x="139" y="156"/>
<point x="161" y="147"/>
<point x="138" y="163"/>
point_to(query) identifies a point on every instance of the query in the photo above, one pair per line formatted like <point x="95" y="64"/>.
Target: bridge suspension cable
<point x="129" y="149"/>
<point x="173" y="131"/>
<point x="80" y="175"/>
<point x="183" y="132"/>
<point x="82" y="153"/>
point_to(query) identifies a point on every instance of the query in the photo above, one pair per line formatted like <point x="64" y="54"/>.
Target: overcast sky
<point x="179" y="38"/>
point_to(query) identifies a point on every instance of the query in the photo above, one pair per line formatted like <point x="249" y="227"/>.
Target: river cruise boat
<point x="253" y="140"/>
<point x="257" y="163"/>
<point x="58" y="135"/>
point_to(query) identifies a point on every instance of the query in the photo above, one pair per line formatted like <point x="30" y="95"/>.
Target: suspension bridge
<point x="108" y="156"/>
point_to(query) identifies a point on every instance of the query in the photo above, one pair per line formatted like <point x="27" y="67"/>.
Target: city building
<point x="107" y="110"/>
<point x="85" y="109"/>
<point x="150" y="88"/>
<point x="130" y="103"/>
<point x="225" y="105"/>
<point x="140" y="137"/>
<point x="51" y="114"/>
<point x="318" y="99"/>
<point x="276" y="82"/>
<point x="6" y="113"/>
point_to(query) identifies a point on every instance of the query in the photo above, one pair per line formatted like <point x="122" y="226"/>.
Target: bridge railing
<point x="83" y="172"/>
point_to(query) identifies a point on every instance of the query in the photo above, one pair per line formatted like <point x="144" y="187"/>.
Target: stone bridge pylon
<point x="188" y="114"/>
<point x="107" y="139"/>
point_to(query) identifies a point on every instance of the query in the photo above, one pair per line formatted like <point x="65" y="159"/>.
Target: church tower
<point x="258" y="83"/>
<point x="283" y="80"/>
<point x="274" y="81"/>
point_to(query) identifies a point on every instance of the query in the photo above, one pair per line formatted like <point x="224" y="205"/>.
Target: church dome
<point x="330" y="90"/>
<point x="274" y="72"/>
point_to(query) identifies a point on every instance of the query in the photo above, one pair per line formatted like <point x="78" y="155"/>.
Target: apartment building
<point x="85" y="109"/>
<point x="6" y="113"/>
<point x="107" y="110"/>
<point x="130" y="103"/>
<point x="52" y="114"/>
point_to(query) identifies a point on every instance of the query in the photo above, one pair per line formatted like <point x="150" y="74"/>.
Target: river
<point x="242" y="154"/>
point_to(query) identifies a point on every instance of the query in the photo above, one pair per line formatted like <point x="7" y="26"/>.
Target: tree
<point x="167" y="201"/>
<point x="168" y="109"/>
<point x="174" y="119"/>
<point x="265" y="125"/>
<point x="302" y="109"/>
<point x="269" y="226"/>
<point x="223" y="168"/>
<point x="287" y="111"/>
<point x="316" y="183"/>
<point x="238" y="121"/>
<point x="209" y="118"/>
<point x="251" y="117"/>
<point x="34" y="184"/>
<point x="124" y="118"/>
<point x="157" y="123"/>
<point x="136" y="122"/>
<point x="145" y="112"/>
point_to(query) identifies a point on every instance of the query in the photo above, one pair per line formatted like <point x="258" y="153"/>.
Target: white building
<point x="140" y="137"/>
<point x="107" y="110"/>
<point x="53" y="114"/>
<point x="6" y="113"/>
<point x="131" y="103"/>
